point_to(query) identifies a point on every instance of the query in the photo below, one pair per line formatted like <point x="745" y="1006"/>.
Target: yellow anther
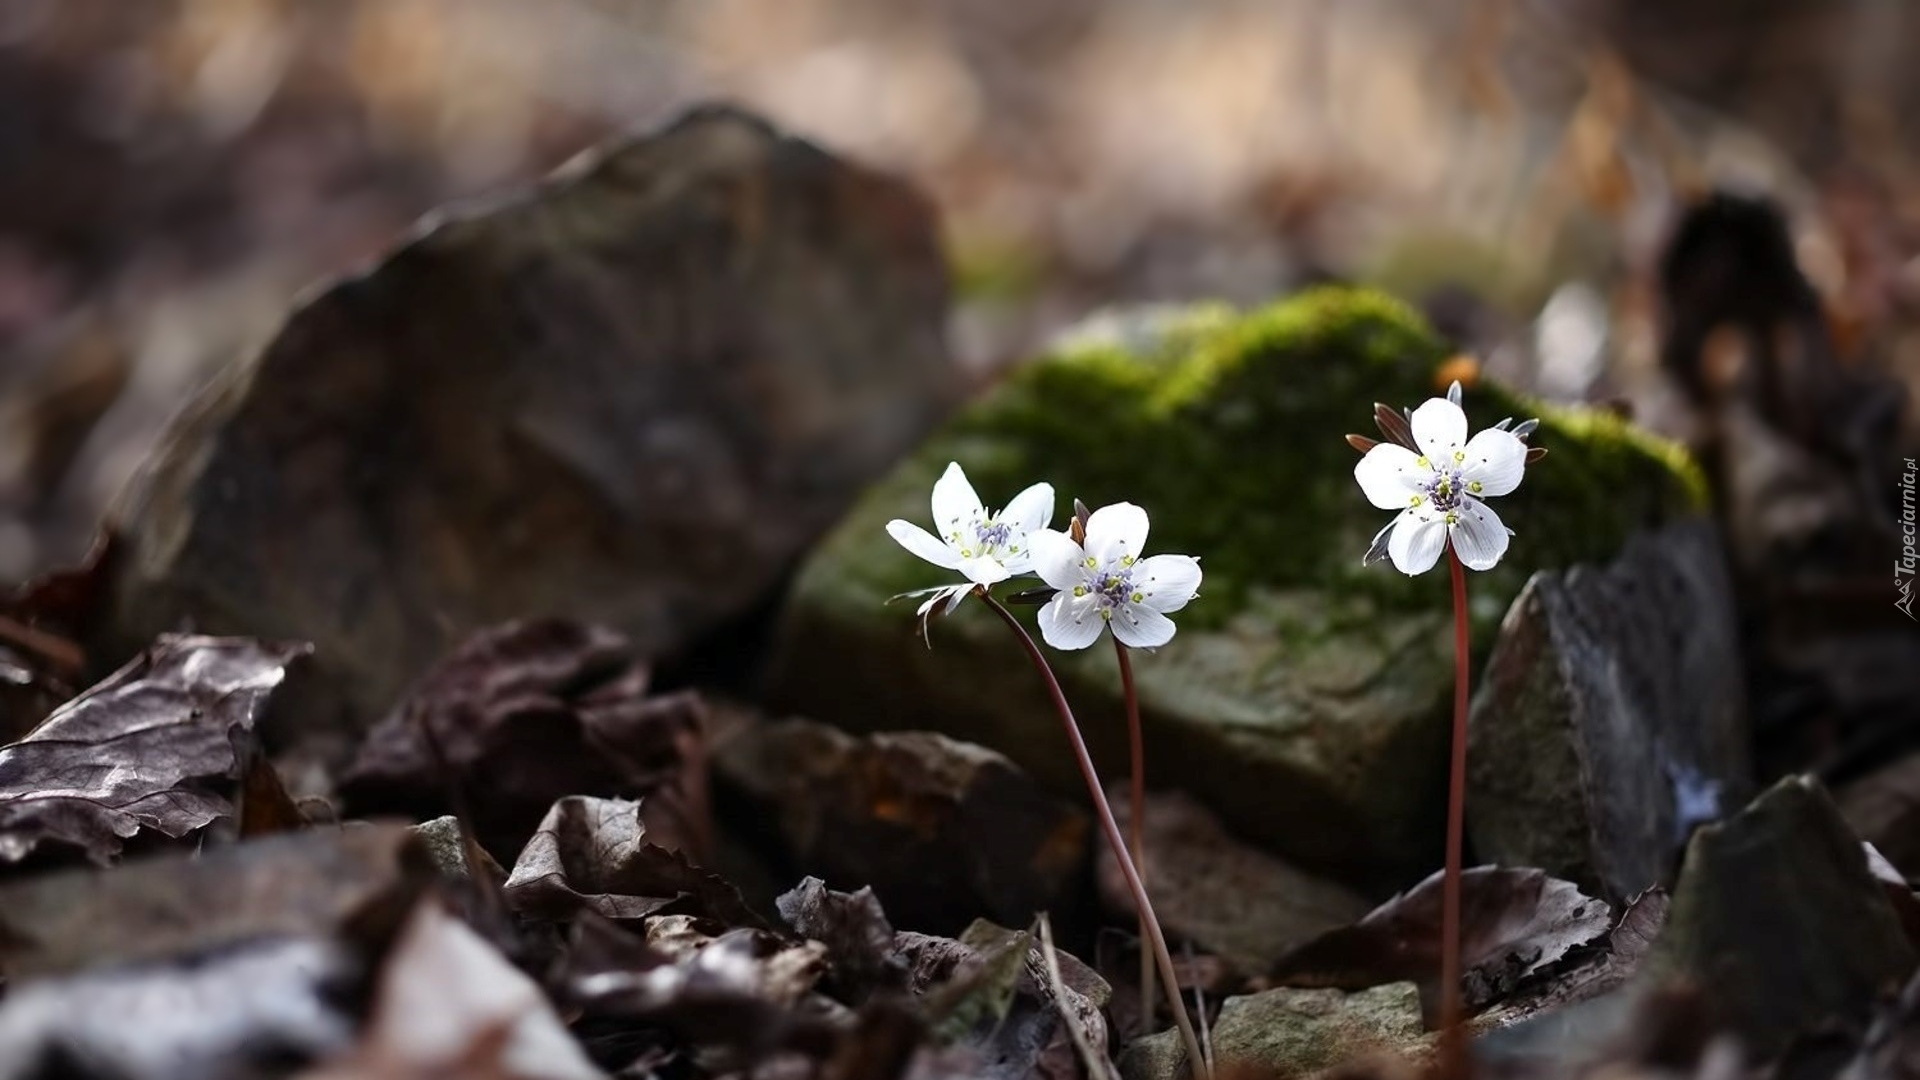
<point x="1423" y="462"/>
<point x="1473" y="486"/>
<point x="1079" y="590"/>
<point x="1459" y="456"/>
<point x="1415" y="500"/>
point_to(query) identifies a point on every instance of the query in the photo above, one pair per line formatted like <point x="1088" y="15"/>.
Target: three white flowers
<point x="1440" y="485"/>
<point x="1102" y="582"/>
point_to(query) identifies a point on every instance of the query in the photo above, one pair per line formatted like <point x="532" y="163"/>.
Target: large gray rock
<point x="1611" y="716"/>
<point x="630" y="396"/>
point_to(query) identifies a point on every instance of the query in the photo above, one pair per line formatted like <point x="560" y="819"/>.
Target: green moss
<point x="1231" y="435"/>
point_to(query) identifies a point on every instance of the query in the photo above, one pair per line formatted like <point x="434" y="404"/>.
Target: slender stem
<point x="1137" y="816"/>
<point x="1112" y="830"/>
<point x="1453" y="1047"/>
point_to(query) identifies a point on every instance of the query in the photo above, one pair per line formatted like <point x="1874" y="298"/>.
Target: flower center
<point x="1445" y="489"/>
<point x="992" y="534"/>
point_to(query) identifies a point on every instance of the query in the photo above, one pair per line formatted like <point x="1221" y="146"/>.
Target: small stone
<point x="447" y="848"/>
<point x="1286" y="1033"/>
<point x="1611" y="718"/>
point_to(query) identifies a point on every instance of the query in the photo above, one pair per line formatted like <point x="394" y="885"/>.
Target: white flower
<point x="1439" y="490"/>
<point x="1106" y="582"/>
<point x="985" y="548"/>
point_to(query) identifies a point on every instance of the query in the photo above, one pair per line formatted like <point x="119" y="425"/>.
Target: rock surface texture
<point x="630" y="396"/>
<point x="1611" y="716"/>
<point x="1779" y="917"/>
<point x="1305" y="696"/>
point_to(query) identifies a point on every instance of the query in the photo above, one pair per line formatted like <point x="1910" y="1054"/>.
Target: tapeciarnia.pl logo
<point x="1903" y="569"/>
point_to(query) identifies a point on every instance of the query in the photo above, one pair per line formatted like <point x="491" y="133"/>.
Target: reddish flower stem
<point x="1452" y="1036"/>
<point x="1111" y="828"/>
<point x="1136" y="820"/>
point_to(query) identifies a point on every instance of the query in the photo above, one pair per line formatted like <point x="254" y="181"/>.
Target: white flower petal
<point x="1116" y="531"/>
<point x="1141" y="627"/>
<point x="1390" y="475"/>
<point x="984" y="570"/>
<point x="1496" y="460"/>
<point x="1029" y="510"/>
<point x="954" y="503"/>
<point x="1418" y="537"/>
<point x="1478" y="536"/>
<point x="1071" y="622"/>
<point x="1059" y="561"/>
<point x="924" y="544"/>
<point x="1167" y="582"/>
<point x="1439" y="427"/>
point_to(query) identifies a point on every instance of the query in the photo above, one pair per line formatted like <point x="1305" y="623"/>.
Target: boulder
<point x="630" y="396"/>
<point x="1610" y="719"/>
<point x="1306" y="697"/>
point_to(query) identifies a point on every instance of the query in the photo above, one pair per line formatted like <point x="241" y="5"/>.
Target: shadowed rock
<point x="629" y="396"/>
<point x="1611" y="718"/>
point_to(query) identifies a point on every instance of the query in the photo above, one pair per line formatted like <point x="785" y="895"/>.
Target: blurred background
<point x="174" y="172"/>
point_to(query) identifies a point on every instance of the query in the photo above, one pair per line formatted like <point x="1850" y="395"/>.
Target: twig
<point x="1098" y="1065"/>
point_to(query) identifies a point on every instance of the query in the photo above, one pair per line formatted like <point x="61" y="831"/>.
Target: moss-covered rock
<point x="1305" y="697"/>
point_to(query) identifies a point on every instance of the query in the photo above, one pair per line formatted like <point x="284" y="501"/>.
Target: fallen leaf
<point x="149" y="750"/>
<point x="255" y="1009"/>
<point x="593" y="854"/>
<point x="448" y="1005"/>
<point x="361" y="879"/>
<point x="1514" y="922"/>
<point x="1900" y="894"/>
<point x="737" y="991"/>
<point x="524" y="713"/>
<point x="855" y="932"/>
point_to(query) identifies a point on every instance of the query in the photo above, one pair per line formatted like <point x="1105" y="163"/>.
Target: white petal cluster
<point x="986" y="548"/>
<point x="1103" y="582"/>
<point x="1106" y="582"/>
<point x="1441" y="490"/>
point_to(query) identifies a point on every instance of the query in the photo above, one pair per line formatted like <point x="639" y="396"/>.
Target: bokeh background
<point x="174" y="172"/>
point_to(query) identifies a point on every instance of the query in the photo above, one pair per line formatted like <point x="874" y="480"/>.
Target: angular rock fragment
<point x="629" y="396"/>
<point x="1778" y="915"/>
<point x="941" y="830"/>
<point x="1610" y="718"/>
